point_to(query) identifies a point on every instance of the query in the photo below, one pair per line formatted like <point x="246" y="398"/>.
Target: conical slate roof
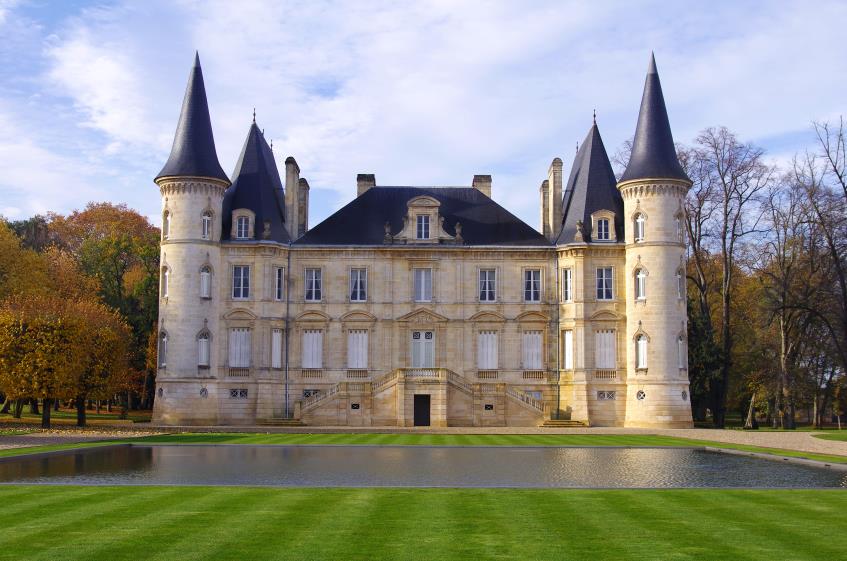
<point x="653" y="152"/>
<point x="193" y="152"/>
<point x="591" y="187"/>
<point x="256" y="186"/>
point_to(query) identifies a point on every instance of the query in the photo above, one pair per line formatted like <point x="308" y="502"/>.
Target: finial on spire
<point x="577" y="146"/>
<point x="272" y="145"/>
<point x="254" y="115"/>
<point x="595" y="116"/>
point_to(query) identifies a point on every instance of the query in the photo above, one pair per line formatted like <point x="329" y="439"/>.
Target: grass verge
<point x="840" y="436"/>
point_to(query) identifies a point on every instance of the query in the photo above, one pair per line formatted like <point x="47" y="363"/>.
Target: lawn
<point x="68" y="417"/>
<point x="232" y="523"/>
<point x="840" y="436"/>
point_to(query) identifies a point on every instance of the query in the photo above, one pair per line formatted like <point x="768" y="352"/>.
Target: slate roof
<point x="653" y="152"/>
<point x="193" y="152"/>
<point x="256" y="186"/>
<point x="484" y="222"/>
<point x="590" y="187"/>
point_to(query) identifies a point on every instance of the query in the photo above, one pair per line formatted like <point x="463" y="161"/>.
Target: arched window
<point x="207" y="225"/>
<point x="166" y="225"/>
<point x="638" y="227"/>
<point x="680" y="283"/>
<point x="641" y="351"/>
<point x="640" y="284"/>
<point x="242" y="228"/>
<point x="680" y="230"/>
<point x="681" y="357"/>
<point x="203" y="349"/>
<point x="206" y="282"/>
<point x="163" y="349"/>
<point x="166" y="278"/>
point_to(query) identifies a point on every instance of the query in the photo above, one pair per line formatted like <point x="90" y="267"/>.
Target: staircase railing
<point x="526" y="399"/>
<point x="314" y="400"/>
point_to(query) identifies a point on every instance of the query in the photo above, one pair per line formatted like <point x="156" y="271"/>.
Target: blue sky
<point x="418" y="93"/>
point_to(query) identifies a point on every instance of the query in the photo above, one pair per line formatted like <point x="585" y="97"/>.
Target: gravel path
<point x="67" y="436"/>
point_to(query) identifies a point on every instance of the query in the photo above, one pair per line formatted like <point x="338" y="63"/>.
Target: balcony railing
<point x="533" y="375"/>
<point x="486" y="374"/>
<point x="311" y="373"/>
<point x="605" y="374"/>
<point x="357" y="374"/>
<point x="238" y="372"/>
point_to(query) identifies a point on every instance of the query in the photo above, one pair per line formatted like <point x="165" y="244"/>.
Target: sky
<point x="417" y="93"/>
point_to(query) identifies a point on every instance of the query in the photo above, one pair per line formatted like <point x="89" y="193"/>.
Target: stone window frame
<point x="232" y="295"/>
<point x="639" y="280"/>
<point x="524" y="271"/>
<point x="570" y="285"/>
<point x="251" y="224"/>
<point x="596" y="217"/>
<point x="321" y="289"/>
<point x="210" y="214"/>
<point x="366" y="290"/>
<point x="423" y="226"/>
<point x="164" y="285"/>
<point x="204" y="333"/>
<point x="278" y="283"/>
<point x="641" y="362"/>
<point x="162" y="349"/>
<point x="496" y="290"/>
<point x="612" y="268"/>
<point x="479" y="330"/>
<point x="206" y="268"/>
<point x="636" y="216"/>
<point x="167" y="218"/>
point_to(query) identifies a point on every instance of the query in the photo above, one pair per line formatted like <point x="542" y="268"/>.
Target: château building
<point x="422" y="305"/>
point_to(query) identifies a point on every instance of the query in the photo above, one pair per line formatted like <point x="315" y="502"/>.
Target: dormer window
<point x="242" y="228"/>
<point x="603" y="229"/>
<point x="423" y="227"/>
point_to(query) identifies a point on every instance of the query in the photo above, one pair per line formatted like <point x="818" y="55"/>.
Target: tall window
<point x="681" y="356"/>
<point x="242" y="227"/>
<point x="358" y="285"/>
<point x="487" y="285"/>
<point x="423" y="227"/>
<point x="532" y="285"/>
<point x="605" y="351"/>
<point x="239" y="347"/>
<point x="279" y="283"/>
<point x="163" y="349"/>
<point x="423" y="285"/>
<point x="166" y="280"/>
<point x="639" y="227"/>
<point x="313" y="285"/>
<point x="276" y="348"/>
<point x="604" y="283"/>
<point x="567" y="285"/>
<point x="166" y="225"/>
<point x="487" y="350"/>
<point x="641" y="351"/>
<point x="603" y="229"/>
<point x="207" y="225"/>
<point x="203" y="349"/>
<point x="567" y="348"/>
<point x="313" y="342"/>
<point x="680" y="284"/>
<point x="532" y="355"/>
<point x="640" y="284"/>
<point x="680" y="231"/>
<point x="357" y="349"/>
<point x="205" y="282"/>
<point x="241" y="282"/>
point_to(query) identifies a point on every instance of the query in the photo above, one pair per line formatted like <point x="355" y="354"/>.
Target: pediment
<point x="241" y="313"/>
<point x="532" y="316"/>
<point x="358" y="315"/>
<point x="423" y="201"/>
<point x="488" y="316"/>
<point x="422" y="315"/>
<point x="312" y="315"/>
<point x="605" y="315"/>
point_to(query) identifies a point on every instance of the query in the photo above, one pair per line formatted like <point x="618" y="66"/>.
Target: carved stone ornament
<point x="579" y="236"/>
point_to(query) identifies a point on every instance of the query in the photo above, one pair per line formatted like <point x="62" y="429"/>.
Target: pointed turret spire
<point x="193" y="152"/>
<point x="653" y="152"/>
<point x="590" y="187"/>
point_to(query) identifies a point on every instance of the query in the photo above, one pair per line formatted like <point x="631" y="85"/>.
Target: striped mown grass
<point x="230" y="523"/>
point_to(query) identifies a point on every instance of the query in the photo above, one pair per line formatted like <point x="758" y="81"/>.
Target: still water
<point x="412" y="466"/>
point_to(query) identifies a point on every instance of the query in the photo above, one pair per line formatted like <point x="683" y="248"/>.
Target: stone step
<point x="282" y="422"/>
<point x="563" y="423"/>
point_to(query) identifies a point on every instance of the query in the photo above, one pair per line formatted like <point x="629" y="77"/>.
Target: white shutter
<point x="641" y="352"/>
<point x="205" y="284"/>
<point x="313" y="348"/>
<point x="429" y="350"/>
<point x="532" y="358"/>
<point x="487" y="350"/>
<point x="682" y="360"/>
<point x="423" y="285"/>
<point x="416" y="349"/>
<point x="357" y="348"/>
<point x="239" y="348"/>
<point x="604" y="350"/>
<point x="568" y="362"/>
<point x="276" y="348"/>
<point x="203" y="350"/>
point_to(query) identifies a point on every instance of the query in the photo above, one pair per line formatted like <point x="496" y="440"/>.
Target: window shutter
<point x="203" y="350"/>
<point x="276" y="348"/>
<point x="532" y="358"/>
<point x="312" y="348"/>
<point x="357" y="349"/>
<point x="604" y="350"/>
<point x="487" y="350"/>
<point x="239" y="348"/>
<point x="568" y="350"/>
<point x="205" y="284"/>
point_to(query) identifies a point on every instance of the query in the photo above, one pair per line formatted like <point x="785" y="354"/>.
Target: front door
<point x="423" y="349"/>
<point x="421" y="410"/>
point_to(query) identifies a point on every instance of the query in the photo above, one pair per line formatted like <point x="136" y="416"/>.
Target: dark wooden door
<point x="421" y="410"/>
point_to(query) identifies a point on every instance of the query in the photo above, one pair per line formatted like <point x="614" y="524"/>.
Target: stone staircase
<point x="563" y="424"/>
<point x="280" y="422"/>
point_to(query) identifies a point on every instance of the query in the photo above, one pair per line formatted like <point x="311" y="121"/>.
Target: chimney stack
<point x="483" y="184"/>
<point x="292" y="196"/>
<point x="303" y="207"/>
<point x="364" y="181"/>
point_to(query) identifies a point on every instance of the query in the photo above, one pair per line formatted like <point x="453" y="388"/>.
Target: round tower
<point x="653" y="188"/>
<point x="192" y="185"/>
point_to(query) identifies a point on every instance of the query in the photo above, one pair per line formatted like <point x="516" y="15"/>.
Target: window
<point x="423" y="227"/>
<point x="680" y="231"/>
<point x="605" y="355"/>
<point x="163" y="349"/>
<point x="203" y="349"/>
<point x="681" y="356"/>
<point x="313" y="342"/>
<point x="487" y="285"/>
<point x="567" y="285"/>
<point x="206" y="282"/>
<point x="487" y="350"/>
<point x="680" y="284"/>
<point x="166" y="280"/>
<point x="606" y="395"/>
<point x="532" y="285"/>
<point x="241" y="282"/>
<point x="641" y="351"/>
<point x="640" y="284"/>
<point x="358" y="285"/>
<point x="604" y="283"/>
<point x="238" y="393"/>
<point x="207" y="225"/>
<point x="567" y="350"/>
<point x="242" y="227"/>
<point x="313" y="285"/>
<point x="423" y="349"/>
<point x="532" y="355"/>
<point x="638" y="227"/>
<point x="423" y="285"/>
<point x="166" y="225"/>
<point x="357" y="349"/>
<point x="239" y="347"/>
<point x="603" y="229"/>
<point x="276" y="348"/>
<point x="279" y="283"/>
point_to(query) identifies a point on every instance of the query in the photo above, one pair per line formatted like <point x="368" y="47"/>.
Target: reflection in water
<point x="411" y="466"/>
